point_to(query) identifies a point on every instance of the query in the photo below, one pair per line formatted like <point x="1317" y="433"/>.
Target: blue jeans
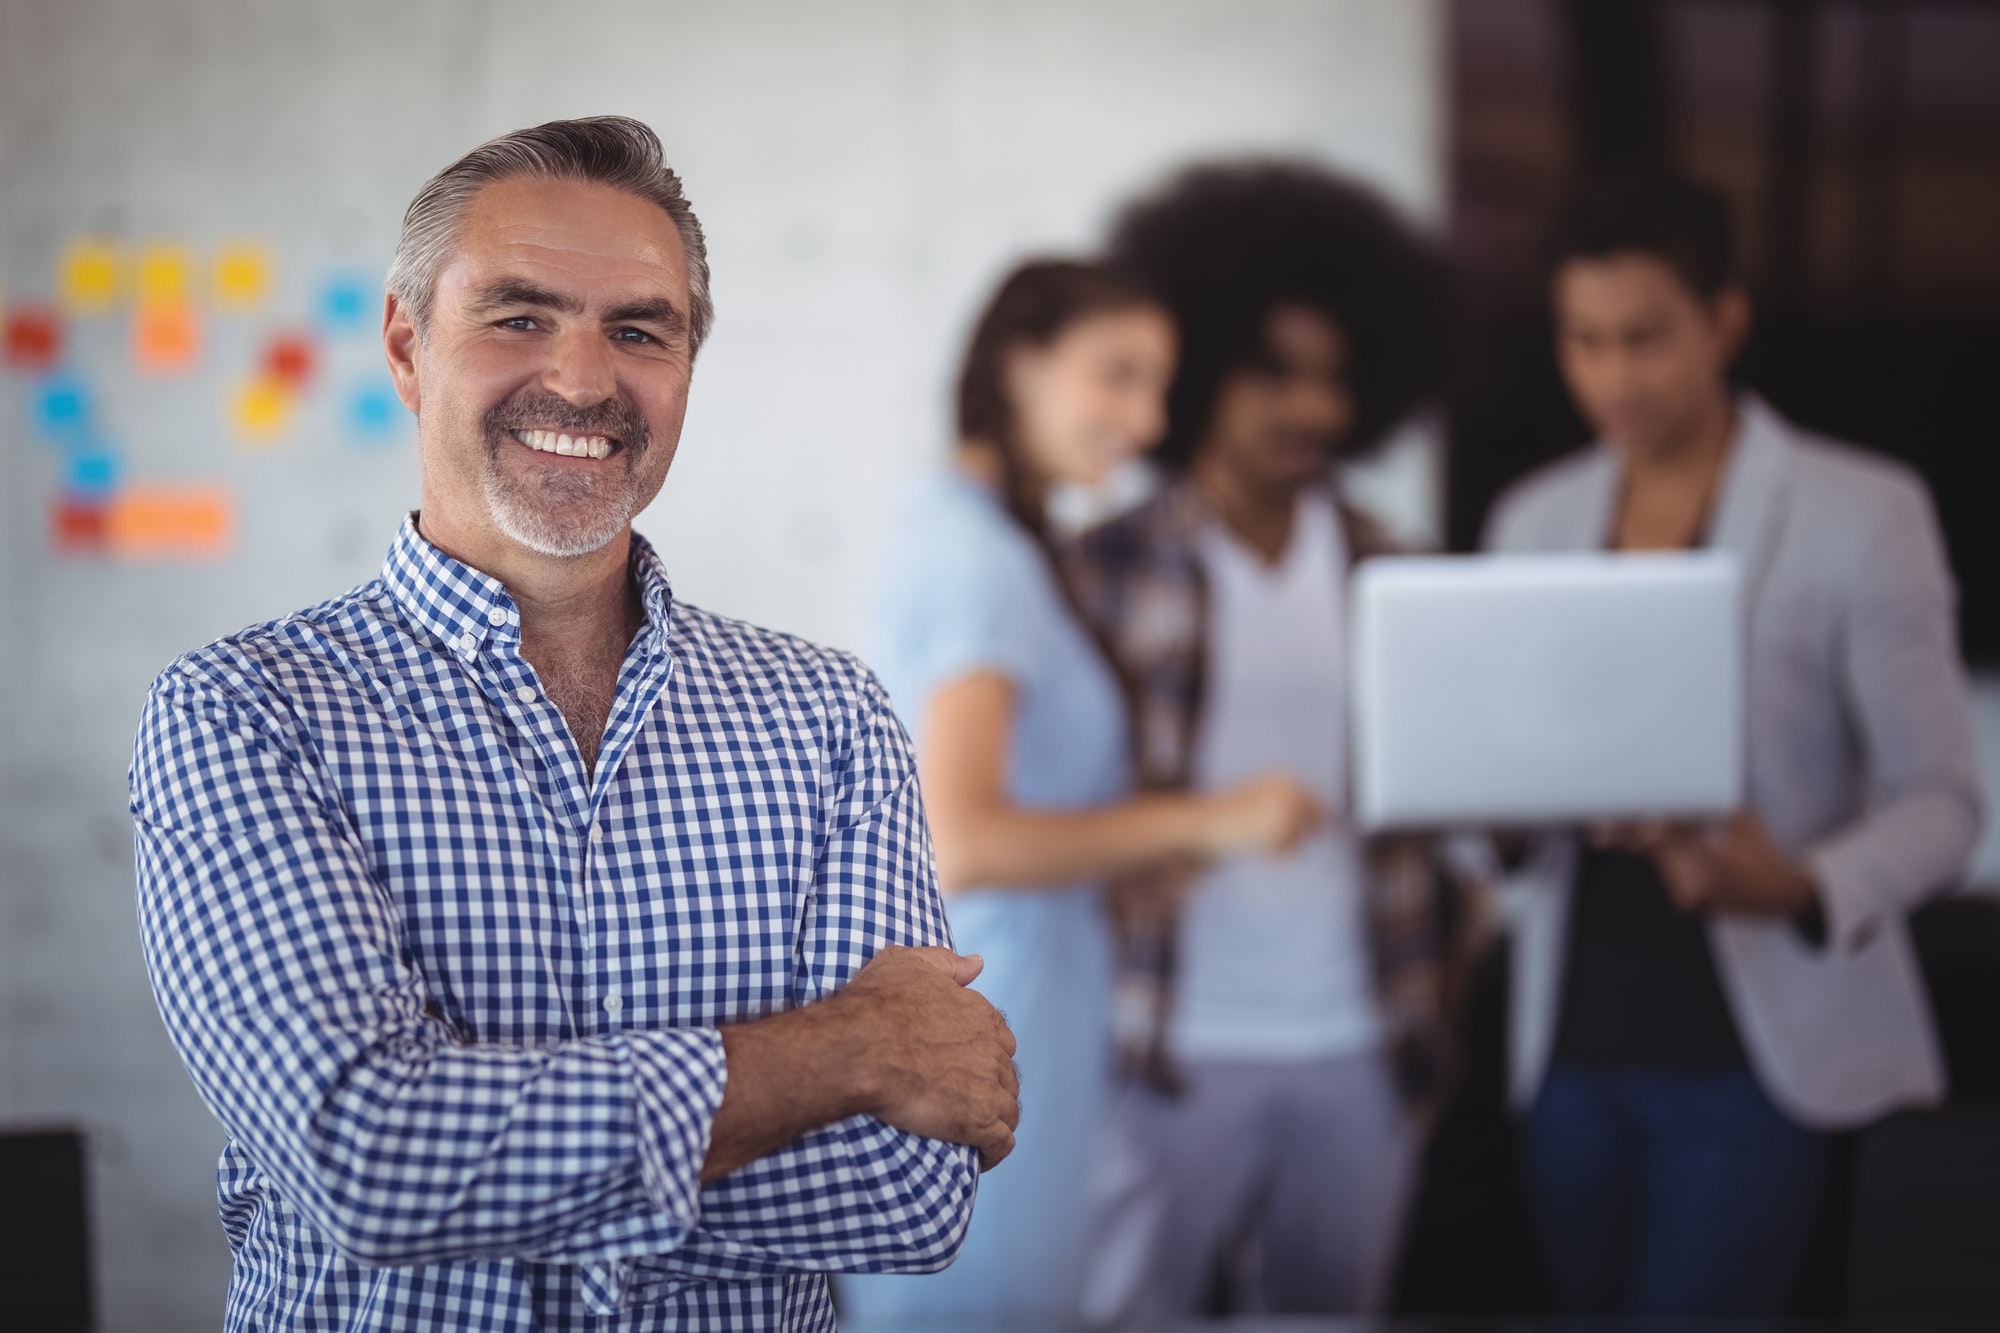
<point x="1667" y="1193"/>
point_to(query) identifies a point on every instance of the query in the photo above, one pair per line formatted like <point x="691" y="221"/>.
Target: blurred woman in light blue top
<point x="1023" y="752"/>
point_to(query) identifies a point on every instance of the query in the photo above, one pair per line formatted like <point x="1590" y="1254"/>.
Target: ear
<point x="1731" y="313"/>
<point x="403" y="348"/>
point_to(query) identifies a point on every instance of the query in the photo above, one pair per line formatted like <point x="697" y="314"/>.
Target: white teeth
<point x="568" y="446"/>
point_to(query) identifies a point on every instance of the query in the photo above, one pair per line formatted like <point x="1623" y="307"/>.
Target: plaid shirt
<point x="1141" y="583"/>
<point x="456" y="1001"/>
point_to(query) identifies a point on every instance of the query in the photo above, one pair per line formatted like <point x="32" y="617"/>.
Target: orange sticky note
<point x="163" y="273"/>
<point x="262" y="409"/>
<point x="166" y="338"/>
<point x="88" y="275"/>
<point x="159" y="522"/>
<point x="242" y="275"/>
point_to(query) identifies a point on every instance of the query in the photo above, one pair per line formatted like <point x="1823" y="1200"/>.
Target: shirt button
<point x="613" y="1002"/>
<point x="466" y="643"/>
<point x="526" y="694"/>
<point x="496" y="616"/>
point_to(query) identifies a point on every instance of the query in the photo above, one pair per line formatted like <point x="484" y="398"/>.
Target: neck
<point x="560" y="597"/>
<point x="1695" y="452"/>
<point x="1260" y="514"/>
<point x="984" y="463"/>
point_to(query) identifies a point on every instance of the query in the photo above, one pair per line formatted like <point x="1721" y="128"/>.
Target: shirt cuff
<point x="678" y="1075"/>
<point x="1852" y="914"/>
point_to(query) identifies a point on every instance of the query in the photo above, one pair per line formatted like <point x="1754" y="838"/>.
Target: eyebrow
<point x="517" y="291"/>
<point x="654" y="310"/>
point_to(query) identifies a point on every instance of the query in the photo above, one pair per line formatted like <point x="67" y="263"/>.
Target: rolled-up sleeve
<point x="855" y="1196"/>
<point x="279" y="969"/>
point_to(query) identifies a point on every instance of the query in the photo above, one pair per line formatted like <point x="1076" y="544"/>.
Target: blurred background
<point x="198" y="200"/>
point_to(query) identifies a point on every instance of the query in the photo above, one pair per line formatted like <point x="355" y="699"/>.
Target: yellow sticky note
<point x="242" y="275"/>
<point x="88" y="275"/>
<point x="262" y="409"/>
<point x="163" y="273"/>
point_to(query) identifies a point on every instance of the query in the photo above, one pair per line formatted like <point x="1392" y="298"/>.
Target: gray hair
<point x="606" y="150"/>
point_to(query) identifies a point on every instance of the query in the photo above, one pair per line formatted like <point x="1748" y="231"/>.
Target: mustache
<point x="533" y="408"/>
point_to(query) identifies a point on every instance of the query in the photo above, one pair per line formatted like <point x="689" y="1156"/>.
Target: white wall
<point x="864" y="169"/>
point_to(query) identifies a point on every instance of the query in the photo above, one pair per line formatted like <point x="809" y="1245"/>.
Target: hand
<point x="937" y="1058"/>
<point x="1148" y="899"/>
<point x="1272" y="814"/>
<point x="1736" y="868"/>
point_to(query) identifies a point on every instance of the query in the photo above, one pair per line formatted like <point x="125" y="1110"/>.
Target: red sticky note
<point x="289" y="358"/>
<point x="33" y="338"/>
<point x="166" y="338"/>
<point x="79" y="526"/>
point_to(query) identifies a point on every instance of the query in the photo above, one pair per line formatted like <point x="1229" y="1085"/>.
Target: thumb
<point x="964" y="968"/>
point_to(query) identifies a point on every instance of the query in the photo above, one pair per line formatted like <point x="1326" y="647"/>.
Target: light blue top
<point x="965" y="590"/>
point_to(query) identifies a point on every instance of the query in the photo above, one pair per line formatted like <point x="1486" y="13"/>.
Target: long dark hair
<point x="1034" y="305"/>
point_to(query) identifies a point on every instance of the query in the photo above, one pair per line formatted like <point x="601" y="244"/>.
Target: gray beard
<point x="558" y="516"/>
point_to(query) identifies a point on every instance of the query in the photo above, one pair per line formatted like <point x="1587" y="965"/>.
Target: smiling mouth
<point x="568" y="446"/>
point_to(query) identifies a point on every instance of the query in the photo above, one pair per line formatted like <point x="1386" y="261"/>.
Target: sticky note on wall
<point x="157" y="522"/>
<point x="33" y="338"/>
<point x="89" y="275"/>
<point x="345" y="303"/>
<point x="163" y="274"/>
<point x="166" y="338"/>
<point x="242" y="275"/>
<point x="261" y="409"/>
<point x="61" y="404"/>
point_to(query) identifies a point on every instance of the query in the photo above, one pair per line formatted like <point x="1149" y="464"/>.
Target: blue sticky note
<point x="374" y="412"/>
<point x="344" y="303"/>
<point x="61" y="404"/>
<point x="91" y="471"/>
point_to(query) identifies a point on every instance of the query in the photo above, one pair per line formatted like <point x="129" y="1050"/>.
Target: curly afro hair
<point x="1226" y="243"/>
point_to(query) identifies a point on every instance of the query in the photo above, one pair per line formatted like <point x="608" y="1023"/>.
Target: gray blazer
<point x="1860" y="761"/>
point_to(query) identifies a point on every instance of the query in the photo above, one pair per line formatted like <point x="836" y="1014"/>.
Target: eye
<point x="633" y="336"/>
<point x="518" y="323"/>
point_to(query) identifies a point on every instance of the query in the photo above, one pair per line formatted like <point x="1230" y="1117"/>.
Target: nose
<point x="1315" y="403"/>
<point x="580" y="367"/>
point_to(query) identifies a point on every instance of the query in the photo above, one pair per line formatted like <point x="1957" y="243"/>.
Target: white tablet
<point x="1546" y="689"/>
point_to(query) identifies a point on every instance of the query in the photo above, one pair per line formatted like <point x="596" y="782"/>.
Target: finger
<point x="964" y="969"/>
<point x="994" y="1147"/>
<point x="1686" y="880"/>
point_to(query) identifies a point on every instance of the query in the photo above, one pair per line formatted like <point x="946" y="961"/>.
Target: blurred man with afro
<point x="1284" y="1023"/>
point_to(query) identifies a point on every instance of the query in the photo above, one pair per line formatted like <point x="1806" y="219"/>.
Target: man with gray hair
<point x="555" y="954"/>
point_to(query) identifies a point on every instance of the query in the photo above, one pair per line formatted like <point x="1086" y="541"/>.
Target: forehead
<point x="1629" y="282"/>
<point x="1302" y="333"/>
<point x="577" y="237"/>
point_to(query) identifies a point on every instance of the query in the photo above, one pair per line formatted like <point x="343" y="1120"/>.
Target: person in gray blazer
<point x="1694" y="1008"/>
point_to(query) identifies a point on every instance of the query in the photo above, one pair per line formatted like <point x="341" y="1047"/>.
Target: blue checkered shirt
<point x="456" y="1001"/>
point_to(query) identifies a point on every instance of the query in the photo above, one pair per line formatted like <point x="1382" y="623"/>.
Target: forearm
<point x="403" y="1146"/>
<point x="788" y="1075"/>
<point x="1018" y="847"/>
<point x="883" y="1201"/>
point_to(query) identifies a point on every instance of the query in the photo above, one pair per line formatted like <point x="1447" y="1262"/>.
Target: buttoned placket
<point x="641" y="682"/>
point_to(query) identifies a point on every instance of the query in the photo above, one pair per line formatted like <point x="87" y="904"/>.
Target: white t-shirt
<point x="1273" y="957"/>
